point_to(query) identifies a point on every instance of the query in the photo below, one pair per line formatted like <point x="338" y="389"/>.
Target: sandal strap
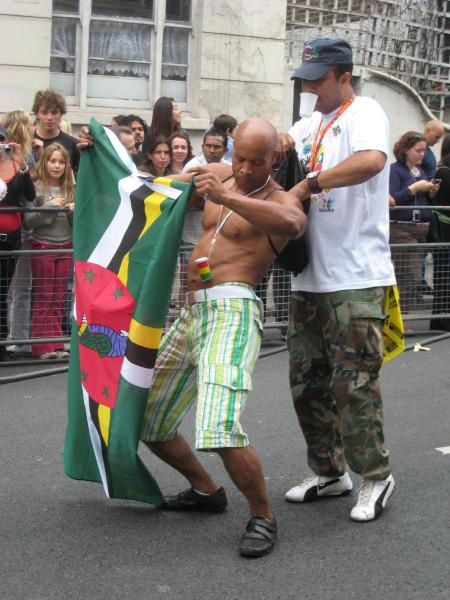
<point x="260" y="528"/>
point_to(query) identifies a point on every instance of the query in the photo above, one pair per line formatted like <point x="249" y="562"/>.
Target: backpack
<point x="294" y="256"/>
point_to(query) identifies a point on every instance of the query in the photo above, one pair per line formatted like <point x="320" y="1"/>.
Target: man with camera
<point x="334" y="335"/>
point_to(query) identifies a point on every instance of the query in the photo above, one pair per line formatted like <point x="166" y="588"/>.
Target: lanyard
<point x="221" y="222"/>
<point x="321" y="132"/>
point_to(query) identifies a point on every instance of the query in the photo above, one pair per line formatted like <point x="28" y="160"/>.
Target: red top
<point x="10" y="221"/>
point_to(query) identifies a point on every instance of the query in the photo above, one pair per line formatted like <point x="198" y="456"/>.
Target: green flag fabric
<point x="127" y="233"/>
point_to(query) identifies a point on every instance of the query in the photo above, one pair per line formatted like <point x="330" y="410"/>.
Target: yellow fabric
<point x="152" y="212"/>
<point x="393" y="332"/>
<point x="104" y="417"/>
<point x="143" y="335"/>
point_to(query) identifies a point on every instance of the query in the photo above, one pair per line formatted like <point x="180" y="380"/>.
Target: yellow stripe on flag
<point x="104" y="417"/>
<point x="143" y="335"/>
<point x="163" y="181"/>
<point x="152" y="204"/>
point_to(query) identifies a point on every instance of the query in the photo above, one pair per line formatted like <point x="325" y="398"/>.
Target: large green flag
<point x="126" y="235"/>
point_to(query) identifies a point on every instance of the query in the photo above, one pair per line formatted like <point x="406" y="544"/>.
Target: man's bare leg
<point x="178" y="454"/>
<point x="245" y="469"/>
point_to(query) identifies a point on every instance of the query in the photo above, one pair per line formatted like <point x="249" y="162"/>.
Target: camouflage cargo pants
<point x="335" y="349"/>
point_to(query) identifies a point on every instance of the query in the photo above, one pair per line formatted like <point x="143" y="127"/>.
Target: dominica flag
<point x="127" y="232"/>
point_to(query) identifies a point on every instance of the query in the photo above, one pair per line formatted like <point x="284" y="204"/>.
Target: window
<point x="104" y="52"/>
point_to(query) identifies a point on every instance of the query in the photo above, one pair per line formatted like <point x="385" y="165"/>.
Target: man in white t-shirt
<point x="214" y="147"/>
<point x="334" y="336"/>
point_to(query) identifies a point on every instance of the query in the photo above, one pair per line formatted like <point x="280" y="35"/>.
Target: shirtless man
<point x="211" y="349"/>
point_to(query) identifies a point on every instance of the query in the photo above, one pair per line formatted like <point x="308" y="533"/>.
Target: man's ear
<point x="346" y="77"/>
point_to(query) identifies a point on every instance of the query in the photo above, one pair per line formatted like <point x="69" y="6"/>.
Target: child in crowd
<point x="51" y="231"/>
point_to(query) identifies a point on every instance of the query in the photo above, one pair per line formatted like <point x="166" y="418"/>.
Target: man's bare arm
<point x="282" y="215"/>
<point x="222" y="170"/>
<point x="357" y="168"/>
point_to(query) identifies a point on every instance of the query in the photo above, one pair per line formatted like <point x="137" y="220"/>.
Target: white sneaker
<point x="372" y="499"/>
<point x="318" y="486"/>
<point x="62" y="354"/>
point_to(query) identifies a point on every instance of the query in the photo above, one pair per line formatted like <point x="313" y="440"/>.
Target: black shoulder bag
<point x="294" y="256"/>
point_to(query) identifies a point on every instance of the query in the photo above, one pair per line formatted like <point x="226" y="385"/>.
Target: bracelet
<point x="24" y="171"/>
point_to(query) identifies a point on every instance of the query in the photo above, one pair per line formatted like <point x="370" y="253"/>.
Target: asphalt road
<point x="63" y="540"/>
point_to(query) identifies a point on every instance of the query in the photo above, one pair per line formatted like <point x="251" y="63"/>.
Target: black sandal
<point x="259" y="537"/>
<point x="191" y="500"/>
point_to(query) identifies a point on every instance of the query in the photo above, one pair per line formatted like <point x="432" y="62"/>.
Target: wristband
<point x="24" y="171"/>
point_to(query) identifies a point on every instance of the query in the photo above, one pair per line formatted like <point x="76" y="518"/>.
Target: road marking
<point x="444" y="450"/>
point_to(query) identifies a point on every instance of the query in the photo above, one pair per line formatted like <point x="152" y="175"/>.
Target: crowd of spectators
<point x="39" y="162"/>
<point x="38" y="167"/>
<point x="417" y="183"/>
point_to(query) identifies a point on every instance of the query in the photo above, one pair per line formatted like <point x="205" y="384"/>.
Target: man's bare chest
<point x="221" y="221"/>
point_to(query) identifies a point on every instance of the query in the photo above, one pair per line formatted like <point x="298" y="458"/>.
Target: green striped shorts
<point x="209" y="352"/>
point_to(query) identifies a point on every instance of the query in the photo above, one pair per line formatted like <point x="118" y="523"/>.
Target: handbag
<point x="294" y="256"/>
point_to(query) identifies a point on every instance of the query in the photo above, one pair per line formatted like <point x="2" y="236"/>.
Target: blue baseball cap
<point x="321" y="54"/>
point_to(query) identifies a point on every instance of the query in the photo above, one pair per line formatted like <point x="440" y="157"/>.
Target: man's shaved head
<point x="433" y="132"/>
<point x="254" y="149"/>
<point x="258" y="130"/>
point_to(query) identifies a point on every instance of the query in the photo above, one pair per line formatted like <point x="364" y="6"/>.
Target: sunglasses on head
<point x="416" y="137"/>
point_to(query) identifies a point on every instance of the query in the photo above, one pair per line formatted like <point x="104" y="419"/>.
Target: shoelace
<point x="310" y="479"/>
<point x="365" y="492"/>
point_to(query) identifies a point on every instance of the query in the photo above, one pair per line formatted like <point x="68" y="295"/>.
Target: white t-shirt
<point x="199" y="161"/>
<point x="348" y="231"/>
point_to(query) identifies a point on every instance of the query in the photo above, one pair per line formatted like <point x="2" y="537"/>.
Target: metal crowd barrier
<point x="427" y="298"/>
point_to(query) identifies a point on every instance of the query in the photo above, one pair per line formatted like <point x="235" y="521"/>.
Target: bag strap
<point x="274" y="250"/>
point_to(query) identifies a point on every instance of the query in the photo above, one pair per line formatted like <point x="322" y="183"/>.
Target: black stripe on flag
<point x="134" y="229"/>
<point x="141" y="356"/>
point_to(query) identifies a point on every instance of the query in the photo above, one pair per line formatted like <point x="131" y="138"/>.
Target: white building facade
<point x="111" y="57"/>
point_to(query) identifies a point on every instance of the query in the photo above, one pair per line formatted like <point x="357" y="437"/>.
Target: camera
<point x="5" y="147"/>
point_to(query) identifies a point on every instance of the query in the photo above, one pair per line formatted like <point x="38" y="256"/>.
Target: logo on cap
<point x="309" y="53"/>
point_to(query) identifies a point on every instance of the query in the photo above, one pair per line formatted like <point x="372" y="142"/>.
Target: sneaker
<point x="372" y="499"/>
<point x="192" y="500"/>
<point x="318" y="486"/>
<point x="48" y="355"/>
<point x="62" y="354"/>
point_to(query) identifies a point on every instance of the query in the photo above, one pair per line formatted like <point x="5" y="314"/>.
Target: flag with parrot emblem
<point x="127" y="232"/>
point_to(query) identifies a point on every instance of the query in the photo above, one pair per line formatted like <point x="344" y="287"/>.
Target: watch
<point x="312" y="181"/>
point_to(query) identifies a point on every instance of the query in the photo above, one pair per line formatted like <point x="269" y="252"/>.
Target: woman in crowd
<point x="20" y="130"/>
<point x="16" y="188"/>
<point x="441" y="233"/>
<point x="51" y="231"/>
<point x="180" y="151"/>
<point x="166" y="118"/>
<point x="158" y="157"/>
<point x="408" y="186"/>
